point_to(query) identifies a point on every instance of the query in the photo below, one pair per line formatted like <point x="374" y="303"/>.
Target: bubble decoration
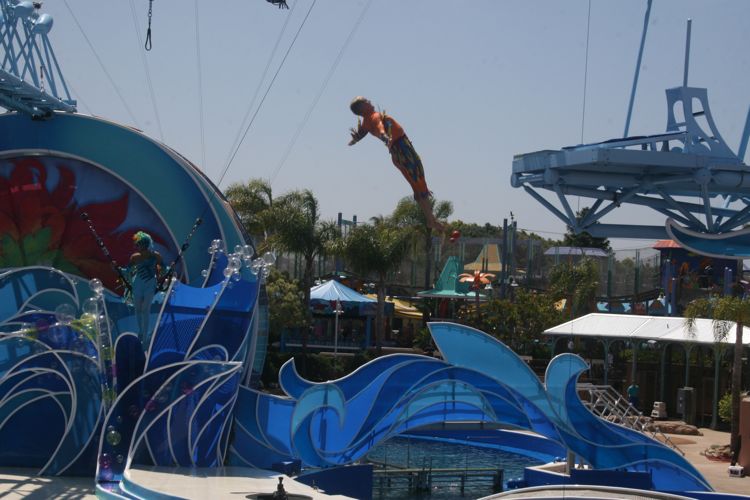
<point x="96" y="286"/>
<point x="65" y="313"/>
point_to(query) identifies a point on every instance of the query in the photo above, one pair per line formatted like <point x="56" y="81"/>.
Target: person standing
<point x="633" y="393"/>
<point x="145" y="267"/>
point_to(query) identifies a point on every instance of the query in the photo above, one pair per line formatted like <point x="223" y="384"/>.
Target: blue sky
<point x="472" y="82"/>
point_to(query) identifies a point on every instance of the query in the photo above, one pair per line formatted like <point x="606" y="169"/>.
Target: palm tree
<point x="253" y="203"/>
<point x="377" y="250"/>
<point x="297" y="228"/>
<point x="407" y="214"/>
<point x="577" y="284"/>
<point x="724" y="311"/>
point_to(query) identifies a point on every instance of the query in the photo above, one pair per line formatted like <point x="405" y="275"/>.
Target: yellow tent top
<point x="487" y="260"/>
<point x="401" y="308"/>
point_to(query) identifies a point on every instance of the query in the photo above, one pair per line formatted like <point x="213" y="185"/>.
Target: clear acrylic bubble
<point x="269" y="258"/>
<point x="204" y="273"/>
<point x="256" y="266"/>
<point x="228" y="272"/>
<point x="113" y="437"/>
<point x="96" y="286"/>
<point x="91" y="306"/>
<point x="234" y="261"/>
<point x="238" y="249"/>
<point x="120" y="459"/>
<point x="65" y="313"/>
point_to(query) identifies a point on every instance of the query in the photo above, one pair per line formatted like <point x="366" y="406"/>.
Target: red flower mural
<point x="44" y="227"/>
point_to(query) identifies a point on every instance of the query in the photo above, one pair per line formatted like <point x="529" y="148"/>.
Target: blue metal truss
<point x="30" y="78"/>
<point x="687" y="173"/>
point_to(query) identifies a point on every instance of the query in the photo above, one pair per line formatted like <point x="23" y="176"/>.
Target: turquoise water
<point x="419" y="453"/>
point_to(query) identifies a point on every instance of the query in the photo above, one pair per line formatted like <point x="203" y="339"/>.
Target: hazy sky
<point x="472" y="82"/>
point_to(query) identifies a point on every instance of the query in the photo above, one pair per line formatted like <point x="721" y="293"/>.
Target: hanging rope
<point x="148" y="44"/>
<point x="147" y="71"/>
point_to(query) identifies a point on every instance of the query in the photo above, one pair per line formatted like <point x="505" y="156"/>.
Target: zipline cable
<point x="200" y="87"/>
<point x="101" y="64"/>
<point x="322" y="89"/>
<point x="149" y="82"/>
<point x="586" y="70"/>
<point x="585" y="82"/>
<point x="270" y="85"/>
<point x="260" y="84"/>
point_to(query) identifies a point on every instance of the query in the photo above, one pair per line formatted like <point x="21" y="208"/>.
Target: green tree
<point x="298" y="228"/>
<point x="518" y="320"/>
<point x="584" y="239"/>
<point x="286" y="303"/>
<point x="408" y="215"/>
<point x="376" y="250"/>
<point x="253" y="203"/>
<point x="724" y="311"/>
<point x="577" y="284"/>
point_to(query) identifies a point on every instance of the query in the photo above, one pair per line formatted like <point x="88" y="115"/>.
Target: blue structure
<point x="336" y="423"/>
<point x="23" y="38"/>
<point x="690" y="159"/>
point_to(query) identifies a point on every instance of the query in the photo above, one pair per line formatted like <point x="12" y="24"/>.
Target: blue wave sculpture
<point x="480" y="379"/>
<point x="97" y="398"/>
<point x="78" y="396"/>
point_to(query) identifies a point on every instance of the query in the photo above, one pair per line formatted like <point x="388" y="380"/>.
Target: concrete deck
<point x="21" y="483"/>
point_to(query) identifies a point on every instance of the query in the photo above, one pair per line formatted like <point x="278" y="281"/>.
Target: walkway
<point x="21" y="483"/>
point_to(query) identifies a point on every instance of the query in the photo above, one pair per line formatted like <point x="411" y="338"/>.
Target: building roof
<point x="629" y="326"/>
<point x="664" y="244"/>
<point x="582" y="251"/>
<point x="487" y="260"/>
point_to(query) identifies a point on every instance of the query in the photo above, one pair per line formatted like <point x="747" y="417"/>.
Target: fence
<point x="622" y="273"/>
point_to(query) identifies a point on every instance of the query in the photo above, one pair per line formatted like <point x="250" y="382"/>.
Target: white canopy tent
<point x="658" y="332"/>
<point x="631" y="327"/>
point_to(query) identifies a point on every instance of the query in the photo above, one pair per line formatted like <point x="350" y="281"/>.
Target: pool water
<point x="415" y="453"/>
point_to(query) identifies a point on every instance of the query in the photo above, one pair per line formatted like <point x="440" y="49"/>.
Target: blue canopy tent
<point x="352" y="304"/>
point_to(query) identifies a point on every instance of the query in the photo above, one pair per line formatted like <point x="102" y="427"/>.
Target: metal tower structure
<point x="688" y="173"/>
<point x="30" y="78"/>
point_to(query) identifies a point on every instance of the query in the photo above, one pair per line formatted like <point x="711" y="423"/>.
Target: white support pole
<point x="637" y="68"/>
<point x="687" y="53"/>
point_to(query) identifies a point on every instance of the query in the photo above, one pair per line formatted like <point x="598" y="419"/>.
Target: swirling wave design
<point x="335" y="423"/>
<point x="50" y="404"/>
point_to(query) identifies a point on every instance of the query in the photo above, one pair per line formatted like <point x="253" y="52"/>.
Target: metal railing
<point x="605" y="402"/>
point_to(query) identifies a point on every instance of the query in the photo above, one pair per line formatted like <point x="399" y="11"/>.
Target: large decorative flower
<point x="477" y="280"/>
<point x="42" y="225"/>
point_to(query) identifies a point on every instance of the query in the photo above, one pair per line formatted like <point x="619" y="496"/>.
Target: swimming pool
<point x="417" y="452"/>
